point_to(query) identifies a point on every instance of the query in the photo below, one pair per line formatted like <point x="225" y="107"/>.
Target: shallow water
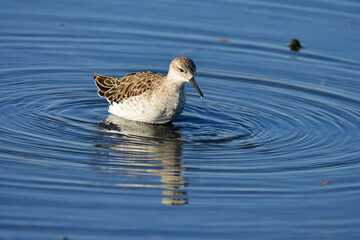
<point x="271" y="152"/>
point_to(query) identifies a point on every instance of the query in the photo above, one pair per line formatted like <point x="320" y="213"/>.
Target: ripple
<point x="274" y="140"/>
<point x="274" y="120"/>
<point x="266" y="117"/>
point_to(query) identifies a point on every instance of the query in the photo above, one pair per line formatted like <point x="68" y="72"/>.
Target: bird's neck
<point x="172" y="82"/>
<point x="172" y="88"/>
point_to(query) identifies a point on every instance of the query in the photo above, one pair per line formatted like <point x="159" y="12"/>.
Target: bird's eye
<point x="181" y="70"/>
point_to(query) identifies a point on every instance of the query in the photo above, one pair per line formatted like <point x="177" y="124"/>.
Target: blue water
<point x="271" y="152"/>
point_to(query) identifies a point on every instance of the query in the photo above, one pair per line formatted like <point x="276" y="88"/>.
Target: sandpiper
<point x="147" y="96"/>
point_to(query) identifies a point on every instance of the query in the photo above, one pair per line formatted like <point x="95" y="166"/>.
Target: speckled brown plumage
<point x="147" y="96"/>
<point x="187" y="63"/>
<point x="134" y="84"/>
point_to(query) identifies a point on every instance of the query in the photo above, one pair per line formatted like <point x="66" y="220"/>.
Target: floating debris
<point x="63" y="25"/>
<point x="222" y="40"/>
<point x="295" y="45"/>
<point x="325" y="182"/>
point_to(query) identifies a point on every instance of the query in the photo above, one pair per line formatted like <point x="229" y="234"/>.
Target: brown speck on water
<point x="62" y="24"/>
<point x="325" y="182"/>
<point x="64" y="238"/>
<point x="295" y="45"/>
<point x="222" y="40"/>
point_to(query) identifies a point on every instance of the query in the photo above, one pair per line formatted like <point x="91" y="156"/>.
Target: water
<point x="271" y="152"/>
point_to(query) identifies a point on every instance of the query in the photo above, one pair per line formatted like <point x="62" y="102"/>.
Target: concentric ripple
<point x="245" y="131"/>
<point x="278" y="121"/>
<point x="271" y="152"/>
<point x="257" y="119"/>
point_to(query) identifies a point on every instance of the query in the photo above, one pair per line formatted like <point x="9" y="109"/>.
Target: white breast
<point x="159" y="108"/>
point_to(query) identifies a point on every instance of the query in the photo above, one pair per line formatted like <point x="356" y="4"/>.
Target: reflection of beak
<point x="193" y="82"/>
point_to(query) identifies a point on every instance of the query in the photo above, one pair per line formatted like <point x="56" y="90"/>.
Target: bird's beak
<point x="193" y="82"/>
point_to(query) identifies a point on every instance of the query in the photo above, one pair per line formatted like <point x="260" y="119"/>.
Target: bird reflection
<point x="142" y="149"/>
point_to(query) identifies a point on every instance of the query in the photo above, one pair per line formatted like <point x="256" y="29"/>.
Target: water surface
<point x="271" y="152"/>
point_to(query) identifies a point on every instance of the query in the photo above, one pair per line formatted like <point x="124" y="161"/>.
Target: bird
<point x="149" y="97"/>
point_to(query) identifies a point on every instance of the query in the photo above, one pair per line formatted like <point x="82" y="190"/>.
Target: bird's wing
<point x="134" y="84"/>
